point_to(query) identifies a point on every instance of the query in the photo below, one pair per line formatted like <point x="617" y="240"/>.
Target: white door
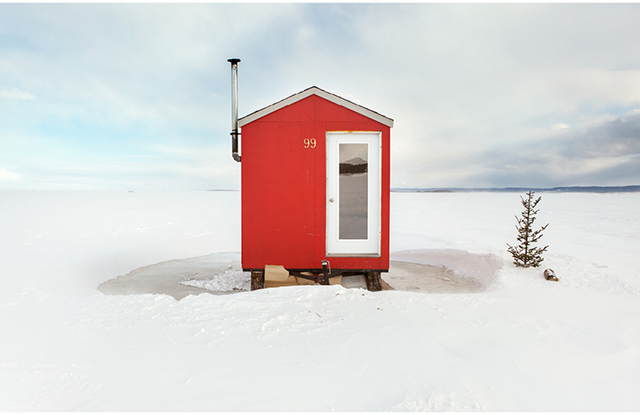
<point x="353" y="193"/>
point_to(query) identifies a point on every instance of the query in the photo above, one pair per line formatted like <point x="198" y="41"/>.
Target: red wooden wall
<point x="284" y="186"/>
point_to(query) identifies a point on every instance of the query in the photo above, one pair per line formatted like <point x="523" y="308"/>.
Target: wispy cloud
<point x="15" y="93"/>
<point x="8" y="176"/>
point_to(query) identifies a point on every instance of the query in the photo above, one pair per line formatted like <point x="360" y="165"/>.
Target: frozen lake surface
<point x="510" y="341"/>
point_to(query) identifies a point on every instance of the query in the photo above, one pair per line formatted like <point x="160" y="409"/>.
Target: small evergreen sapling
<point x="525" y="254"/>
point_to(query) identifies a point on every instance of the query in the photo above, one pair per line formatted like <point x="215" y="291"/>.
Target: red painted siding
<point x="284" y="186"/>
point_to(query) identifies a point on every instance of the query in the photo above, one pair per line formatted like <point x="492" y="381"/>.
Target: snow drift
<point x="521" y="344"/>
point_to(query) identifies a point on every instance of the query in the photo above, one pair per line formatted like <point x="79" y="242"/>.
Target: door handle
<point x="331" y="200"/>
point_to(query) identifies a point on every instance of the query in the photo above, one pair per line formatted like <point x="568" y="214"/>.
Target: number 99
<point x="309" y="143"/>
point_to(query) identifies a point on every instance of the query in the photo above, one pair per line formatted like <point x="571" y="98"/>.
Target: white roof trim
<point x="314" y="90"/>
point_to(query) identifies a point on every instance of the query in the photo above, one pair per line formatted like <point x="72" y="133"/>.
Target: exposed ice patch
<point x="215" y="273"/>
<point x="447" y="270"/>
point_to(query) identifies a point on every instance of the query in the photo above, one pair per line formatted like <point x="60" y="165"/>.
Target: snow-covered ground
<point x="524" y="344"/>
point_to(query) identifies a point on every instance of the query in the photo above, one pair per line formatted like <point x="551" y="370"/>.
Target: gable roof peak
<point x="314" y="90"/>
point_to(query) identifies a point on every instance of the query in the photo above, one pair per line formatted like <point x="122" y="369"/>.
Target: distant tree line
<point x="346" y="168"/>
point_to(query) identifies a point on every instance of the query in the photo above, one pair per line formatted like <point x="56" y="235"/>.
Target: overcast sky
<point x="137" y="97"/>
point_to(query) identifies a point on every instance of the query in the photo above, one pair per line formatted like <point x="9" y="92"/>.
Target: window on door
<point x="353" y="190"/>
<point x="353" y="193"/>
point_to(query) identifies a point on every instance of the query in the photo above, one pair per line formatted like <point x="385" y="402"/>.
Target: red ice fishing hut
<point x="315" y="189"/>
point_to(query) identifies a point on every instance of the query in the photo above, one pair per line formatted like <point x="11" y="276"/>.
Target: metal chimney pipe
<point x="234" y="109"/>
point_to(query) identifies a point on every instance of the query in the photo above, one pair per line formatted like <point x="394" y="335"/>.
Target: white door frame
<point x="354" y="247"/>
